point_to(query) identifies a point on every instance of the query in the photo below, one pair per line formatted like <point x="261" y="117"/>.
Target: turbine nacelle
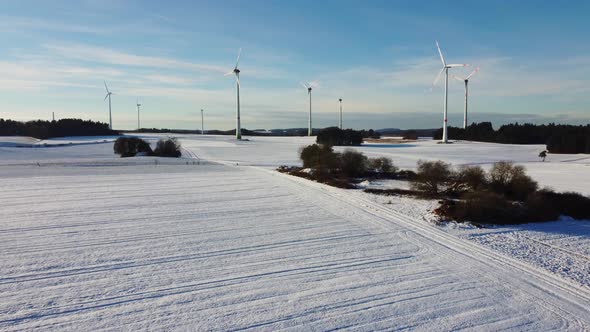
<point x="309" y="85"/>
<point x="466" y="79"/>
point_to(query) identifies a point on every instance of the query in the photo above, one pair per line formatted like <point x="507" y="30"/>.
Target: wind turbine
<point x="309" y="86"/>
<point x="466" y="81"/>
<point x="138" y="105"/>
<point x="445" y="69"/>
<point x="340" y="100"/>
<point x="108" y="95"/>
<point x="236" y="72"/>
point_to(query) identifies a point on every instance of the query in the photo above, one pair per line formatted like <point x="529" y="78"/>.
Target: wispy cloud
<point x="13" y="23"/>
<point x="110" y="56"/>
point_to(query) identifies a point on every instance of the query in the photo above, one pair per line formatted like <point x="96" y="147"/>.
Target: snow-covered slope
<point x="561" y="171"/>
<point x="217" y="247"/>
<point x="98" y="242"/>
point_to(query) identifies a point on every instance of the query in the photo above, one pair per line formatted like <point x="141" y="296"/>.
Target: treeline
<point x="347" y="135"/>
<point x="47" y="129"/>
<point x="231" y="132"/>
<point x="334" y="136"/>
<point x="133" y="146"/>
<point x="558" y="138"/>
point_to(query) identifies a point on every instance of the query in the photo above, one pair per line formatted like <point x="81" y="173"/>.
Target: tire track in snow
<point x="564" y="291"/>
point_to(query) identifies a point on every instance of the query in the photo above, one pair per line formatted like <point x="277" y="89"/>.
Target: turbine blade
<point x="472" y="73"/>
<point x="442" y="58"/>
<point x="458" y="65"/>
<point x="238" y="79"/>
<point x="304" y="85"/>
<point x="228" y="73"/>
<point x="438" y="77"/>
<point x="238" y="60"/>
<point x="458" y="78"/>
<point x="314" y="84"/>
<point x="105" y="86"/>
<point x="105" y="97"/>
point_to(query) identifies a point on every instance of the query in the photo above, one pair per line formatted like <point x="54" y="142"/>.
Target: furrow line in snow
<point x="577" y="297"/>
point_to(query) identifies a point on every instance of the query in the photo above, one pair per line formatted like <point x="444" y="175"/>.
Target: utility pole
<point x="340" y="100"/>
<point x="202" y="123"/>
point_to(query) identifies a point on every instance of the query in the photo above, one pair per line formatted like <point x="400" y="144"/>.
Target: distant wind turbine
<point x="445" y="69"/>
<point x="108" y="95"/>
<point x="466" y="80"/>
<point x="202" y="123"/>
<point x="309" y="86"/>
<point x="236" y="72"/>
<point x="138" y="123"/>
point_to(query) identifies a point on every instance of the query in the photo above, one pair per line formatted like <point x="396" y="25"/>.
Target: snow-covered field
<point x="90" y="241"/>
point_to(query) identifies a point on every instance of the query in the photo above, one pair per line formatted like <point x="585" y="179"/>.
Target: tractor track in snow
<point x="576" y="296"/>
<point x="568" y="299"/>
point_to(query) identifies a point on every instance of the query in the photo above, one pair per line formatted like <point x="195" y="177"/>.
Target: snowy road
<point x="212" y="247"/>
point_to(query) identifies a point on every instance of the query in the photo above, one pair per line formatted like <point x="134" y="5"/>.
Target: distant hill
<point x="402" y="132"/>
<point x="246" y="132"/>
<point x="283" y="131"/>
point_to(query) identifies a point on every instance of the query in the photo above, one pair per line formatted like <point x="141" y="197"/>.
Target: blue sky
<point x="379" y="56"/>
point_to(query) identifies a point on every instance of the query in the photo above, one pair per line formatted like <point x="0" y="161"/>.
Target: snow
<point x="562" y="247"/>
<point x="90" y="241"/>
<point x="561" y="172"/>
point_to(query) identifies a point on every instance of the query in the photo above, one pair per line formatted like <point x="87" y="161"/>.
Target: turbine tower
<point x="108" y="95"/>
<point x="340" y="100"/>
<point x="466" y="81"/>
<point x="309" y="86"/>
<point x="445" y="69"/>
<point x="236" y="72"/>
<point x="138" y="123"/>
<point x="202" y="123"/>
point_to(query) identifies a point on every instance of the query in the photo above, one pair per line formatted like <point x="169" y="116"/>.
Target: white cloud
<point x="110" y="56"/>
<point x="12" y="23"/>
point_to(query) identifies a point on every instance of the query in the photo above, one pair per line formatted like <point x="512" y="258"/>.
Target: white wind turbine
<point x="108" y="95"/>
<point x="445" y="69"/>
<point x="466" y="81"/>
<point x="309" y="86"/>
<point x="236" y="72"/>
<point x="138" y="105"/>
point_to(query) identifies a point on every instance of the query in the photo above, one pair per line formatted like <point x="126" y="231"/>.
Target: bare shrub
<point x="511" y="180"/>
<point x="432" y="177"/>
<point x="353" y="163"/>
<point x="321" y="158"/>
<point x="130" y="146"/>
<point x="382" y="165"/>
<point x="468" y="178"/>
<point x="549" y="203"/>
<point x="168" y="148"/>
<point x="483" y="208"/>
